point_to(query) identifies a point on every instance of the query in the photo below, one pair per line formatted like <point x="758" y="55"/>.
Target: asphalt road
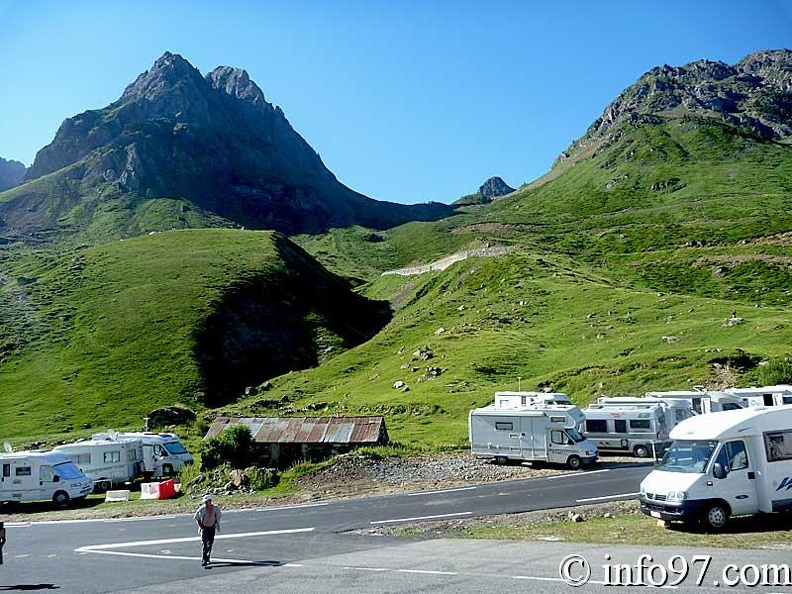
<point x="303" y="548"/>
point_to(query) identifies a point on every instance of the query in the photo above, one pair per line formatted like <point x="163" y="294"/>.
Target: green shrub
<point x="777" y="371"/>
<point x="233" y="446"/>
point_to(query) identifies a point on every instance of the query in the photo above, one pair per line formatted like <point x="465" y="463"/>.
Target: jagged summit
<point x="755" y="94"/>
<point x="211" y="143"/>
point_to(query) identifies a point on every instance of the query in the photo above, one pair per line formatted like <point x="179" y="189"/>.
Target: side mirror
<point x="718" y="471"/>
<point x="55" y="478"/>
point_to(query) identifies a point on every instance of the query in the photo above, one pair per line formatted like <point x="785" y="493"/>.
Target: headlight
<point x="676" y="496"/>
<point x="643" y="491"/>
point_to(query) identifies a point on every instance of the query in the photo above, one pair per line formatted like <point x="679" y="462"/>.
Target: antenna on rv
<point x="112" y="434"/>
<point x="8" y="447"/>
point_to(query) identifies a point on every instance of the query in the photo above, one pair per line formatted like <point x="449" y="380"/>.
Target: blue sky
<point x="406" y="100"/>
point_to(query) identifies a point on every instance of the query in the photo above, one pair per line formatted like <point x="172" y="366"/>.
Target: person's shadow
<point x="244" y="564"/>
<point x="31" y="587"/>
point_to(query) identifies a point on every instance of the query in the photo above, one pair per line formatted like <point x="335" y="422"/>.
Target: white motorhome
<point x="163" y="453"/>
<point x="638" y="429"/>
<point x="38" y="475"/>
<point x="701" y="401"/>
<point x="108" y="463"/>
<point x="676" y="409"/>
<point x="735" y="463"/>
<point x="763" y="396"/>
<point x="523" y="399"/>
<point x="540" y="433"/>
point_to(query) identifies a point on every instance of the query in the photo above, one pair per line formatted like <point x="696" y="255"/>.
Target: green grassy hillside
<point x="100" y="336"/>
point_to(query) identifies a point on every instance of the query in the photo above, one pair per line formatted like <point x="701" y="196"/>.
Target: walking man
<point x="208" y="518"/>
<point x="2" y="540"/>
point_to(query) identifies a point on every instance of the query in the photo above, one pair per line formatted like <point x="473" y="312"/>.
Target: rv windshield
<point x="67" y="471"/>
<point x="687" y="456"/>
<point x="574" y="435"/>
<point x="175" y="448"/>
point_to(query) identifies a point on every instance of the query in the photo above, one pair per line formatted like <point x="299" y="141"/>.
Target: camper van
<point x="108" y="463"/>
<point x="735" y="463"/>
<point x="701" y="401"/>
<point x="676" y="409"/>
<point x="505" y="400"/>
<point x="540" y="433"/>
<point x="163" y="453"/>
<point x="637" y="429"/>
<point x="763" y="396"/>
<point x="38" y="475"/>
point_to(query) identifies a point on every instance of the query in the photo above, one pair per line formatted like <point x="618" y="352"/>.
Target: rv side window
<point x="640" y="424"/>
<point x="504" y="425"/>
<point x="778" y="445"/>
<point x="6" y="470"/>
<point x="730" y="406"/>
<point x="84" y="459"/>
<point x="132" y="455"/>
<point x="786" y="399"/>
<point x="46" y="473"/>
<point x="559" y="437"/>
<point x="557" y="419"/>
<point x="733" y="455"/>
<point x="114" y="456"/>
<point x="596" y="426"/>
<point x="620" y="425"/>
<point x="23" y="471"/>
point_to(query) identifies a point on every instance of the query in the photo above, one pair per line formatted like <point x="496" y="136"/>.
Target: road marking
<point x="421" y="518"/>
<point x="454" y="490"/>
<point x="280" y="508"/>
<point x="429" y="571"/>
<point x="605" y="497"/>
<point x="576" y="473"/>
<point x="108" y="549"/>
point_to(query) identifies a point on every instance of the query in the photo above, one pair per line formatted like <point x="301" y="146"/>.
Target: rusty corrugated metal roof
<point x="306" y="429"/>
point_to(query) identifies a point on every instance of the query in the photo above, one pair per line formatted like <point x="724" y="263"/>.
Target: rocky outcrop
<point x="755" y="95"/>
<point x="211" y="140"/>
<point x="493" y="188"/>
<point x="11" y="173"/>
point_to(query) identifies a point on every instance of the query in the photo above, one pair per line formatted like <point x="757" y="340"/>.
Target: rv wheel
<point x="641" y="451"/>
<point x="574" y="463"/>
<point x="716" y="516"/>
<point x="501" y="460"/>
<point x="60" y="498"/>
<point x="167" y="469"/>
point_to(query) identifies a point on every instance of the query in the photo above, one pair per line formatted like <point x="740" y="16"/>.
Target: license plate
<point x="654" y="514"/>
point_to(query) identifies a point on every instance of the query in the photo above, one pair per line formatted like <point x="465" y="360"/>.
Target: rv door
<point x="738" y="487"/>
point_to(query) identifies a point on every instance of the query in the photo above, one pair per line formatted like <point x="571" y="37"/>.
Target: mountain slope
<point x="101" y="336"/>
<point x="210" y="144"/>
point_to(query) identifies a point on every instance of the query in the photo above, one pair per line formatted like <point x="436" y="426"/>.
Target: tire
<point x="641" y="451"/>
<point x="574" y="463"/>
<point x="167" y="470"/>
<point x="716" y="516"/>
<point x="102" y="486"/>
<point x="501" y="460"/>
<point x="60" y="498"/>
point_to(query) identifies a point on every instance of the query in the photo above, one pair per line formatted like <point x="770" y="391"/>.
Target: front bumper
<point x="686" y="511"/>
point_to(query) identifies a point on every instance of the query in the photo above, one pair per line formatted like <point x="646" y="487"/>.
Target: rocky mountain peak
<point x="236" y="83"/>
<point x="11" y="173"/>
<point x="493" y="188"/>
<point x="168" y="72"/>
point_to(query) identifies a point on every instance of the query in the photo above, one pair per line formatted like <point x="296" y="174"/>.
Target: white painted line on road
<point x="369" y="568"/>
<point x="605" y="497"/>
<point x="454" y="490"/>
<point x="280" y="508"/>
<point x="576" y="473"/>
<point x="421" y="518"/>
<point x="429" y="571"/>
<point x="108" y="548"/>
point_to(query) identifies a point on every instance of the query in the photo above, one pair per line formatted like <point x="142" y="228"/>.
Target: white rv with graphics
<point x="734" y="463"/>
<point x="108" y="463"/>
<point x="163" y="453"/>
<point x="540" y="433"/>
<point x="40" y="475"/>
<point x="676" y="409"/>
<point x="637" y="429"/>
<point x="701" y="401"/>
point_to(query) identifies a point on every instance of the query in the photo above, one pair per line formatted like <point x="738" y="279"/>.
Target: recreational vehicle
<point x="523" y="399"/>
<point x="735" y="463"/>
<point x="763" y="396"/>
<point x="108" y="463"/>
<point x="638" y="429"/>
<point x="541" y="433"/>
<point x="701" y="401"/>
<point x="676" y="409"/>
<point x="163" y="453"/>
<point x="37" y="475"/>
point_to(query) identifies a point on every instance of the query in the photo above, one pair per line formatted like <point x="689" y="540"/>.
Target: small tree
<point x="777" y="371"/>
<point x="234" y="446"/>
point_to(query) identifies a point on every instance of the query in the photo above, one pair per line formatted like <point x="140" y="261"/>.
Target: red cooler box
<point x="167" y="489"/>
